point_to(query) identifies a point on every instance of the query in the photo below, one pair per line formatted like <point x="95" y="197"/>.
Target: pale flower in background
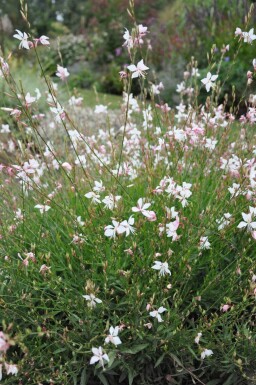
<point x="209" y="81"/>
<point x="42" y="208"/>
<point x="100" y="109"/>
<point x="62" y="72"/>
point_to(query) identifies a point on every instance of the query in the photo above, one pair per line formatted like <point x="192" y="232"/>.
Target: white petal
<point x="132" y="68"/>
<point x="94" y="359"/>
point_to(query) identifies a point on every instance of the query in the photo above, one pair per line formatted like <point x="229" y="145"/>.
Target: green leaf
<point x="84" y="378"/>
<point x="213" y="382"/>
<point x="131" y="374"/>
<point x="160" y="359"/>
<point x="176" y="359"/>
<point x="135" y="349"/>
<point x="123" y="376"/>
<point x="103" y="379"/>
<point x="59" y="350"/>
<point x="111" y="356"/>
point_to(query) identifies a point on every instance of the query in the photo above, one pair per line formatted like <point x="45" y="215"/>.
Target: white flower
<point x="100" y="109"/>
<point x="98" y="186"/>
<point x="93" y="196"/>
<point x="210" y="143"/>
<point x="23" y="37"/>
<point x="206" y="353"/>
<point x="79" y="221"/>
<point x="115" y="229"/>
<point x="11" y="369"/>
<point x="113" y="336"/>
<point x="138" y="70"/>
<point x="248" y="220"/>
<point x="204" y="243"/>
<point x="199" y="335"/>
<point x="59" y="111"/>
<point x="223" y="221"/>
<point x="42" y="208"/>
<point x="156" y="313"/>
<point x="111" y="201"/>
<point x="208" y="81"/>
<point x="162" y="267"/>
<point x="92" y="300"/>
<point x="128" y="39"/>
<point x="98" y="356"/>
<point x="249" y="36"/>
<point x="128" y="225"/>
<point x="234" y="190"/>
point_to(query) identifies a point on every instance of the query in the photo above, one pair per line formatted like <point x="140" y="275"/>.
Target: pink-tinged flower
<point x="138" y="70"/>
<point x="253" y="234"/>
<point x="113" y="336"/>
<point x="115" y="229"/>
<point x="59" y="111"/>
<point x="141" y="206"/>
<point x="42" y="208"/>
<point x="206" y="353"/>
<point x="11" y="369"/>
<point x="4" y="343"/>
<point x="171" y="229"/>
<point x="16" y="113"/>
<point x="150" y="215"/>
<point x="162" y="267"/>
<point x="67" y="166"/>
<point x="4" y="68"/>
<point x="197" y="339"/>
<point x="99" y="356"/>
<point x="44" y="40"/>
<point x="238" y="31"/>
<point x="29" y="99"/>
<point x="148" y="325"/>
<point x="73" y="101"/>
<point x="225" y="308"/>
<point x="123" y="74"/>
<point x="208" y="81"/>
<point x="62" y="72"/>
<point x="92" y="300"/>
<point x="44" y="269"/>
<point x="156" y="313"/>
<point x="23" y="37"/>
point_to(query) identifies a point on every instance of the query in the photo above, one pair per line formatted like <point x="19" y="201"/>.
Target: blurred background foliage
<point x="88" y="33"/>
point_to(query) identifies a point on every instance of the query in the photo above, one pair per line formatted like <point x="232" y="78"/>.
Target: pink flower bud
<point x="225" y="308"/>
